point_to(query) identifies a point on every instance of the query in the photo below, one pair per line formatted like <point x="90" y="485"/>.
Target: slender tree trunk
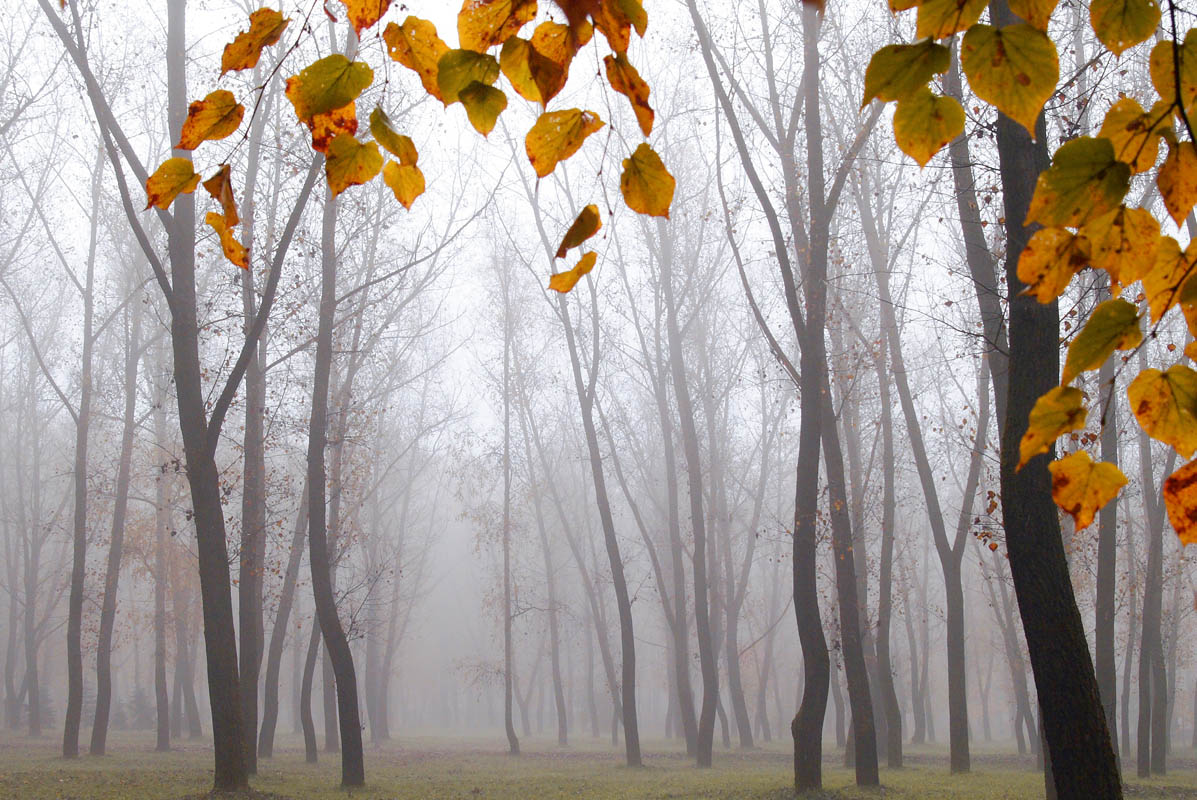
<point x="310" y="749"/>
<point x="161" y="516"/>
<point x="513" y="742"/>
<point x="1106" y="669"/>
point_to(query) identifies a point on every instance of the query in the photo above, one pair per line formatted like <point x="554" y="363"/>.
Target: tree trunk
<point x="1105" y="609"/>
<point x="513" y="742"/>
<point x="310" y="749"/>
<point x="161" y="516"/>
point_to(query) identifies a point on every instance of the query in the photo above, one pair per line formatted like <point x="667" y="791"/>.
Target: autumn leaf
<point x="416" y="45"/>
<point x="331" y="124"/>
<point x="350" y="163"/>
<point x="1081" y="486"/>
<point x="1015" y="68"/>
<point x="532" y="74"/>
<point x="565" y="281"/>
<point x="586" y="225"/>
<point x="214" y="117"/>
<point x="1180" y="498"/>
<point x="616" y="19"/>
<point x="332" y="82"/>
<point x="1056" y="412"/>
<point x="457" y="69"/>
<point x="483" y="105"/>
<point x="1113" y="325"/>
<point x="1177" y="180"/>
<point x="266" y="27"/>
<point x="1049" y="261"/>
<point x="1084" y="181"/>
<point x="1035" y="12"/>
<point x="1165" y="403"/>
<point x="924" y="122"/>
<point x="1162" y="68"/>
<point x="392" y="141"/>
<point x="1134" y="133"/>
<point x="557" y="135"/>
<point x="405" y="180"/>
<point x="1167" y="282"/>
<point x="1122" y="24"/>
<point x="1123" y="242"/>
<point x="646" y="185"/>
<point x="941" y="18"/>
<point x="175" y="176"/>
<point x="481" y="24"/>
<point x="220" y="186"/>
<point x="234" y="251"/>
<point x="624" y="79"/>
<point x="899" y="70"/>
<point x="364" y="13"/>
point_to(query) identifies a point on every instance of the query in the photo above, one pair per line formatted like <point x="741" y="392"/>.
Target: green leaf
<point x="332" y="82"/>
<point x="1085" y="181"/>
<point x="350" y="163"/>
<point x="483" y="105"/>
<point x="457" y="69"/>
<point x="899" y="70"/>
<point x="924" y="122"/>
<point x="1113" y="325"/>
<point x="1015" y="68"/>
<point x="392" y="141"/>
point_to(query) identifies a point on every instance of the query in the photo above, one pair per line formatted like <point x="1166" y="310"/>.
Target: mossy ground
<point x="447" y="768"/>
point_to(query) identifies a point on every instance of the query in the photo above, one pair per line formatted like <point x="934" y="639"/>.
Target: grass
<point x="468" y="769"/>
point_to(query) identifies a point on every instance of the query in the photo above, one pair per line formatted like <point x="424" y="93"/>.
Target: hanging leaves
<point x="1123" y="242"/>
<point x="1161" y="65"/>
<point x="899" y="70"/>
<point x="1035" y="12"/>
<point x="233" y="250"/>
<point x="173" y="177"/>
<point x="485" y="23"/>
<point x="646" y="185"/>
<point x="457" y="69"/>
<point x="624" y="79"/>
<point x="565" y="281"/>
<point x="941" y="18"/>
<point x="586" y="225"/>
<point x="1113" y="325"/>
<point x="404" y="178"/>
<point x="1165" y="403"/>
<point x="266" y="27"/>
<point x="532" y="74"/>
<point x="394" y="142"/>
<point x="1167" y="282"/>
<point x="924" y="122"/>
<point x="1050" y="260"/>
<point x="1015" y="68"/>
<point x="1180" y="498"/>
<point x="406" y="181"/>
<point x="483" y="105"/>
<point x="220" y="186"/>
<point x="1177" y="180"/>
<point x="332" y="82"/>
<point x="364" y="13"/>
<point x="614" y="18"/>
<point x="350" y="163"/>
<point x="557" y="135"/>
<point x="416" y="45"/>
<point x="1056" y="412"/>
<point x="1134" y="133"/>
<point x="331" y="124"/>
<point x="1084" y="181"/>
<point x="1081" y="486"/>
<point x="214" y="117"/>
<point x="1122" y="24"/>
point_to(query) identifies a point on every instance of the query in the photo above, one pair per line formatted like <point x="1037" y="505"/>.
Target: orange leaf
<point x="532" y="74"/>
<point x="646" y="185"/>
<point x="364" y="13"/>
<point x="331" y="124"/>
<point x="265" y="28"/>
<point x="565" y="281"/>
<point x="586" y="225"/>
<point x="1180" y="497"/>
<point x="234" y="251"/>
<point x="557" y="135"/>
<point x="1050" y="260"/>
<point x="416" y="45"/>
<point x="624" y="79"/>
<point x="481" y="24"/>
<point x="1080" y="486"/>
<point x="220" y="186"/>
<point x="175" y="176"/>
<point x="214" y="117"/>
<point x="1177" y="180"/>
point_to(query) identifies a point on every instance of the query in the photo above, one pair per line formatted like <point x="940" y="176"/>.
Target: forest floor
<point x="426" y="767"/>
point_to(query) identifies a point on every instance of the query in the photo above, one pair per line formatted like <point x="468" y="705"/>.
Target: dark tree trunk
<point x="1107" y="564"/>
<point x="310" y="749"/>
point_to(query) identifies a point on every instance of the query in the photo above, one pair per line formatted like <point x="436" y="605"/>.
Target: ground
<point x="428" y="767"/>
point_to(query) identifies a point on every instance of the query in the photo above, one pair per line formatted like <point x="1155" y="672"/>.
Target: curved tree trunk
<point x="310" y="749"/>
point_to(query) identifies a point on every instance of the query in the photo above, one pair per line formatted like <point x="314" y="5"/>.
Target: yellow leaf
<point x="364" y="13"/>
<point x="615" y="19"/>
<point x="174" y="177"/>
<point x="481" y="24"/>
<point x="624" y="79"/>
<point x="416" y="45"/>
<point x="1180" y="498"/>
<point x="586" y="225"/>
<point x="1167" y="282"/>
<point x="1055" y="413"/>
<point x="564" y="281"/>
<point x="924" y="122"/>
<point x="1084" y="181"/>
<point x="405" y="180"/>
<point x="942" y="18"/>
<point x="899" y="70"/>
<point x="1163" y="70"/>
<point x="1050" y="260"/>
<point x="332" y="82"/>
<point x="331" y="124"/>
<point x="234" y="251"/>
<point x="220" y="186"/>
<point x="1113" y="325"/>
<point x="1081" y="486"/>
<point x="557" y="135"/>
<point x="214" y="117"/>
<point x="483" y="105"/>
<point x="1134" y="133"/>
<point x="646" y="185"/>
<point x="1015" y="68"/>
<point x="1177" y="180"/>
<point x="265" y="28"/>
<point x="532" y="74"/>
<point x="457" y="69"/>
<point x="1122" y="24"/>
<point x="350" y="163"/>
<point x="1123" y="242"/>
<point x="1165" y="403"/>
<point x="1036" y="12"/>
<point x="395" y="143"/>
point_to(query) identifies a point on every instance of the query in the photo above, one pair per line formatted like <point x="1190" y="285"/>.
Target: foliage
<point x="1081" y="204"/>
<point x="324" y="95"/>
